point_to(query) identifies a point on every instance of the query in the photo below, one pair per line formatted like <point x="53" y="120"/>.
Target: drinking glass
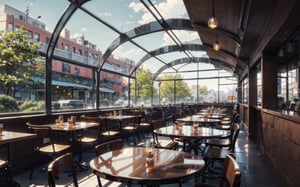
<point x="60" y="119"/>
<point x="149" y="149"/>
<point x="1" y="128"/>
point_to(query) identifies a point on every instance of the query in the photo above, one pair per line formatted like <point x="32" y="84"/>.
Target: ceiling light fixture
<point x="212" y="21"/>
<point x="216" y="45"/>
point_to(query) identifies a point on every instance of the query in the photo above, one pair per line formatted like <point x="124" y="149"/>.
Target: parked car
<point x="70" y="104"/>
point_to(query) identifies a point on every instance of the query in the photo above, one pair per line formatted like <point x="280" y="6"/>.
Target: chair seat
<point x="226" y="119"/>
<point x="166" y="145"/>
<point x="218" y="142"/>
<point x="216" y="153"/>
<point x="225" y="122"/>
<point x="110" y="133"/>
<point x="3" y="163"/>
<point x="204" y="185"/>
<point x="87" y="139"/>
<point x="129" y="128"/>
<point x="9" y="183"/>
<point x="145" y="124"/>
<point x="58" y="148"/>
<point x="223" y="127"/>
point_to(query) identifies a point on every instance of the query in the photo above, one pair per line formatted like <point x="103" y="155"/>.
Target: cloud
<point x="168" y="9"/>
<point x="75" y="35"/>
<point x="184" y="36"/>
<point x="105" y="14"/>
<point x="84" y="29"/>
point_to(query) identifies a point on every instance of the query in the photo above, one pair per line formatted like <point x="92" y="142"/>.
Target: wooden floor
<point x="255" y="170"/>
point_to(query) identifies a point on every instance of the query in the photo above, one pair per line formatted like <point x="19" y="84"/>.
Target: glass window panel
<point x="73" y="86"/>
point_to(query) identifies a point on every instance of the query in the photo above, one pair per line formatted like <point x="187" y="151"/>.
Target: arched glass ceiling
<point x="135" y="31"/>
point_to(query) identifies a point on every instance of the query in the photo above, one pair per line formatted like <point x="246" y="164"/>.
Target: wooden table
<point x="8" y="137"/>
<point x="191" y="134"/>
<point x="78" y="126"/>
<point x="129" y="165"/>
<point x="200" y="120"/>
<point x="72" y="129"/>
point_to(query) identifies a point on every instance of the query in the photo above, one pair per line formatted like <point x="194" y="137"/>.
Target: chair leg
<point x="99" y="181"/>
<point x="33" y="165"/>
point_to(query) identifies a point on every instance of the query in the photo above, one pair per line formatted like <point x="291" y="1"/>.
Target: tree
<point x="18" y="60"/>
<point x="143" y="85"/>
<point x="167" y="87"/>
<point x="202" y="91"/>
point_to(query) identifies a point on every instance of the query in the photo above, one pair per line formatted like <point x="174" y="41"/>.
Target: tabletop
<point x="187" y="131"/>
<point x="70" y="127"/>
<point x="131" y="165"/>
<point x="12" y="136"/>
<point x="118" y="117"/>
<point x="198" y="119"/>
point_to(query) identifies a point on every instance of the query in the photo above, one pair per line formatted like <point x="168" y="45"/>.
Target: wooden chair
<point x="231" y="174"/>
<point x="7" y="182"/>
<point x="226" y="140"/>
<point x="48" y="146"/>
<point x="90" y="136"/>
<point x="219" y="153"/>
<point x="106" y="147"/>
<point x="109" y="130"/>
<point x="159" y="143"/>
<point x="131" y="129"/>
<point x="60" y="164"/>
<point x="5" y="167"/>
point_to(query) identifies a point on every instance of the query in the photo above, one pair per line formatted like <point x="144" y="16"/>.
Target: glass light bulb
<point x="212" y="22"/>
<point x="216" y="46"/>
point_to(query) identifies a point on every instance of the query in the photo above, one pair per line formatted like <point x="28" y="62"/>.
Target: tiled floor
<point x="255" y="171"/>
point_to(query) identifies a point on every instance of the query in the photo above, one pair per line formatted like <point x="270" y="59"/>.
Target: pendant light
<point x="212" y="21"/>
<point x="216" y="45"/>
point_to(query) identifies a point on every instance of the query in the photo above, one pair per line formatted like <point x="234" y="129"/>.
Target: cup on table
<point x="149" y="165"/>
<point x="72" y="120"/>
<point x="195" y="124"/>
<point x="60" y="119"/>
<point x="179" y="125"/>
<point x="1" y="128"/>
<point x="149" y="149"/>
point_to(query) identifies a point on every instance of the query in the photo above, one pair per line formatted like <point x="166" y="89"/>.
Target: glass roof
<point x="135" y="30"/>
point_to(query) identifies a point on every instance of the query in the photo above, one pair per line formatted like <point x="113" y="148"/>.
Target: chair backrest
<point x="92" y="119"/>
<point x="235" y="133"/>
<point x="231" y="174"/>
<point x="59" y="165"/>
<point x="108" y="146"/>
<point x="44" y="132"/>
<point x="156" y="124"/>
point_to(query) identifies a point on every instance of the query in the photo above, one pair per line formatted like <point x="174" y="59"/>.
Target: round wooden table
<point x="190" y="134"/>
<point x="200" y="120"/>
<point x="130" y="165"/>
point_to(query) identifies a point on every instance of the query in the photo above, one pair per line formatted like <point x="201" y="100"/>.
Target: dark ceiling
<point x="247" y="28"/>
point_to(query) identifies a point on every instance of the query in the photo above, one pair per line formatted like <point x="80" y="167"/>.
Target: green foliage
<point x="18" y="60"/>
<point x="143" y="84"/>
<point x="202" y="91"/>
<point x="104" y="102"/>
<point x="167" y="87"/>
<point x="8" y="104"/>
<point x="30" y="106"/>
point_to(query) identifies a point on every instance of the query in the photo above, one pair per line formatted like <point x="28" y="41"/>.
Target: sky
<point x="121" y="14"/>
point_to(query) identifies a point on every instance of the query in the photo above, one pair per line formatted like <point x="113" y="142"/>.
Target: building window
<point x="30" y="34"/>
<point x="73" y="50"/>
<point x="66" y="68"/>
<point x="259" y="86"/>
<point x="10" y="27"/>
<point x="245" y="92"/>
<point x="76" y="70"/>
<point x="288" y="82"/>
<point x="47" y="40"/>
<point x="37" y="37"/>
